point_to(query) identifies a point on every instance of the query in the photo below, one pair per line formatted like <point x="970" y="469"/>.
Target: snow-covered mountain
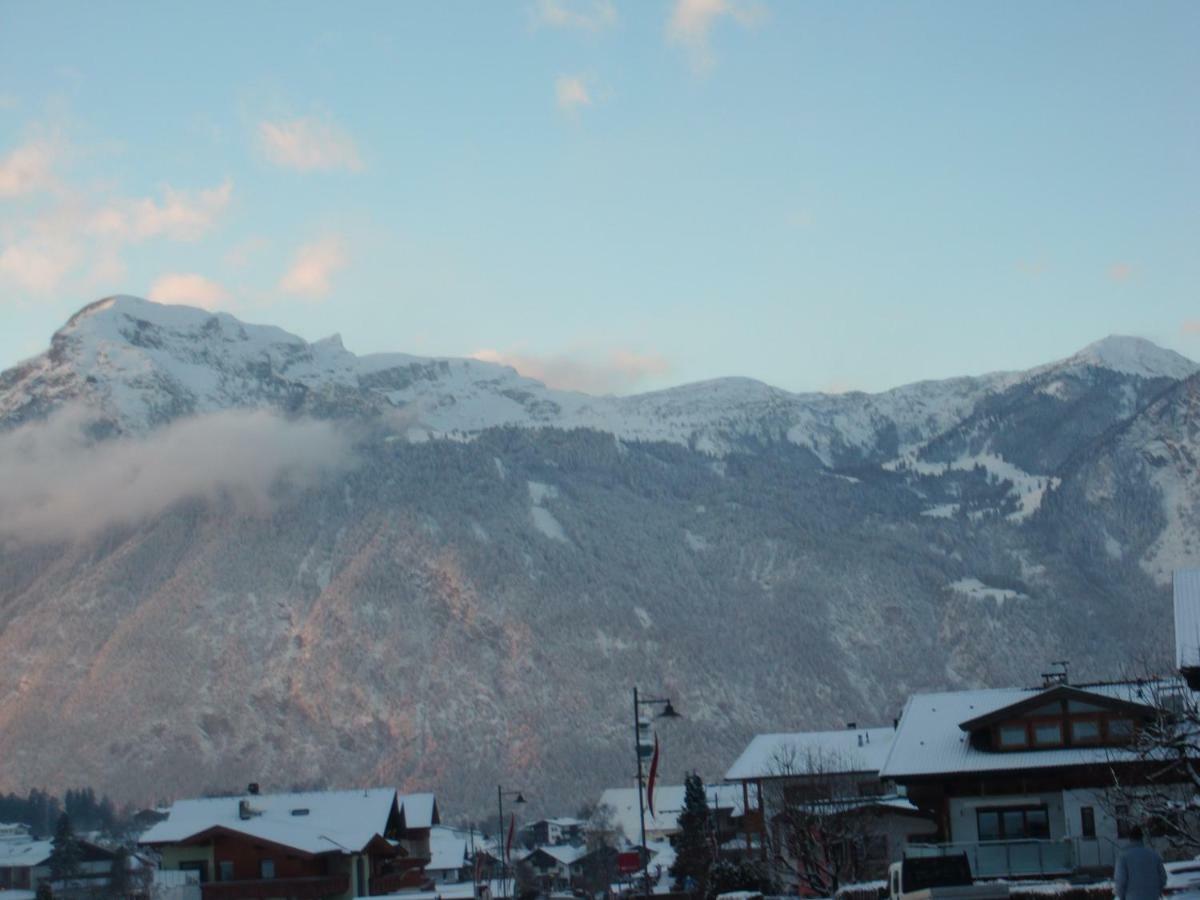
<point x="230" y="555"/>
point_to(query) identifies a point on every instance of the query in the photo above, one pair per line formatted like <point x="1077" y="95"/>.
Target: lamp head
<point x="669" y="712"/>
<point x="520" y="798"/>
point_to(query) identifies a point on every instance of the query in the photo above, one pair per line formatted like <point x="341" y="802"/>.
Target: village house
<point x="551" y="832"/>
<point x="447" y="856"/>
<point x="724" y="802"/>
<point x="787" y="778"/>
<point x="319" y="844"/>
<point x="1020" y="779"/>
<point x="25" y="863"/>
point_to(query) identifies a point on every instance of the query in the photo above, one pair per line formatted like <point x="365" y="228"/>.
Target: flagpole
<point x="667" y="713"/>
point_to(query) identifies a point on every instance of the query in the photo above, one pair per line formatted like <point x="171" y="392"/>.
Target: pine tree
<point x="65" y="857"/>
<point x="693" y="854"/>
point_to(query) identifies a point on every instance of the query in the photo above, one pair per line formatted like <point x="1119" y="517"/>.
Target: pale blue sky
<point x="623" y="195"/>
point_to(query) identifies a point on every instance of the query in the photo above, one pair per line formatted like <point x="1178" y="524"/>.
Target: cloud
<point x="28" y="168"/>
<point x="613" y="372"/>
<point x="692" y="21"/>
<point x="39" y="262"/>
<point x="308" y="144"/>
<point x="1190" y="326"/>
<point x="59" y="484"/>
<point x="181" y="216"/>
<point x="571" y="93"/>
<point x="585" y="15"/>
<point x="312" y="267"/>
<point x="1120" y="271"/>
<point x="191" y="290"/>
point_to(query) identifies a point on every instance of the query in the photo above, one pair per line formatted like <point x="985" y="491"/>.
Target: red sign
<point x="629" y="862"/>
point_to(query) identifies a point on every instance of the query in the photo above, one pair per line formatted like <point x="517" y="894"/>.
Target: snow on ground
<point x="695" y="541"/>
<point x="941" y="511"/>
<point x="977" y="590"/>
<point x="1028" y="489"/>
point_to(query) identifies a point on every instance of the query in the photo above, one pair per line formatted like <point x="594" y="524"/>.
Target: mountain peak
<point x="1134" y="356"/>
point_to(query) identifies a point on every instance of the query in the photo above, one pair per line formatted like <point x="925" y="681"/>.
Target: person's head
<point x="1135" y="833"/>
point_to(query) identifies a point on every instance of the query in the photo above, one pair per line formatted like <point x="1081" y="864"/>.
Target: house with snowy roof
<point x="724" y="799"/>
<point x="834" y="773"/>
<point x="315" y="844"/>
<point x="1019" y="779"/>
<point x="447" y="856"/>
<point x="550" y="832"/>
<point x="25" y="863"/>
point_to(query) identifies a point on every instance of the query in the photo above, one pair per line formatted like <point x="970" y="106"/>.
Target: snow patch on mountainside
<point x="975" y="589"/>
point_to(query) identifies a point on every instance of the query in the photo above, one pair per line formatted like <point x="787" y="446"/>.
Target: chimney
<point x="895" y="723"/>
<point x="244" y="809"/>
<point x="868" y="734"/>
<point x="860" y="740"/>
<point x="252" y="789"/>
<point x="851" y="725"/>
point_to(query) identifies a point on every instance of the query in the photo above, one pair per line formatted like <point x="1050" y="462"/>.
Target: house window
<point x="1048" y="734"/>
<point x="1120" y="730"/>
<point x="1121" y="812"/>
<point x="266" y="868"/>
<point x="1085" y="731"/>
<point x="1013" y="736"/>
<point x="1013" y="823"/>
<point x="1087" y="822"/>
<point x="225" y="870"/>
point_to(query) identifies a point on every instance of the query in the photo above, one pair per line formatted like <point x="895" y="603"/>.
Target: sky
<point x="615" y="196"/>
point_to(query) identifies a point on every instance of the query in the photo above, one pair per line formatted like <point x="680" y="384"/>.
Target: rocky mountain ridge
<point x="439" y="573"/>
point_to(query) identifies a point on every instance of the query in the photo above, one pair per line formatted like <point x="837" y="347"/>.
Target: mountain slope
<point x="462" y="574"/>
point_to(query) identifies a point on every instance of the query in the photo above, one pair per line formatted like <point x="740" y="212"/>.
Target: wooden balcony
<point x="264" y="888"/>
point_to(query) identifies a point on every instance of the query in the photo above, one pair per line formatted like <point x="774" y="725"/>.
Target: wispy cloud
<point x="180" y="215"/>
<point x="28" y="168"/>
<point x="692" y="22"/>
<point x="38" y="262"/>
<point x="613" y="372"/>
<point x="571" y="93"/>
<point x="586" y="15"/>
<point x="1120" y="271"/>
<point x="308" y="144"/>
<point x="190" y="289"/>
<point x="1190" y="326"/>
<point x="59" y="484"/>
<point x="312" y="268"/>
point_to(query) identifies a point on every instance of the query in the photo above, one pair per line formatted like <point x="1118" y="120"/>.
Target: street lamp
<point x="500" y="842"/>
<point x="668" y="712"/>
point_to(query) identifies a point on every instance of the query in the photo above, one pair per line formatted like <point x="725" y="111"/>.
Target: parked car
<point x="939" y="878"/>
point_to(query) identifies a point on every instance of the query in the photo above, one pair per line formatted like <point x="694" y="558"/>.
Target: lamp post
<point x="667" y="713"/>
<point x="500" y="843"/>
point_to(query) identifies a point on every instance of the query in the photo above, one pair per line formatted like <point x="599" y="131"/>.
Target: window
<point x="1013" y="736"/>
<point x="1048" y="734"/>
<point x="1123" y="822"/>
<point x="1120" y="729"/>
<point x="266" y="868"/>
<point x="1013" y="823"/>
<point x="1087" y="822"/>
<point x="225" y="870"/>
<point x="1085" y="731"/>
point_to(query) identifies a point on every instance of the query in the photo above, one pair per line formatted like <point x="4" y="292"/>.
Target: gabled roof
<point x="668" y="803"/>
<point x="335" y="821"/>
<point x="1187" y="618"/>
<point x="24" y="854"/>
<point x="560" y="853"/>
<point x="1058" y="692"/>
<point x="847" y="750"/>
<point x="930" y="742"/>
<point x="419" y="810"/>
<point x="446" y="851"/>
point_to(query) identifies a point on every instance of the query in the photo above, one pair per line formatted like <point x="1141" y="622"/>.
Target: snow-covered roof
<point x="929" y="740"/>
<point x="24" y="854"/>
<point x="668" y="803"/>
<point x="843" y="751"/>
<point x="1187" y="618"/>
<point x="566" y="822"/>
<point x="446" y="850"/>
<point x="563" y="853"/>
<point x="419" y="810"/>
<point x="334" y="821"/>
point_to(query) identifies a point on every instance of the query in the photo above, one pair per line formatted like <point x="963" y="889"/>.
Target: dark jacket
<point x="1140" y="874"/>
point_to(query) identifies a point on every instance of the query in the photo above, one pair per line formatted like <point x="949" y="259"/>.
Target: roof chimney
<point x="860" y="740"/>
<point x="895" y="723"/>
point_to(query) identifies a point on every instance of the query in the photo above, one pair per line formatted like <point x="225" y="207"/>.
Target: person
<point x="1140" y="874"/>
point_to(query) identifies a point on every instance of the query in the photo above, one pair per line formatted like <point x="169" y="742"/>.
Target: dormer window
<point x="1048" y="734"/>
<point x="1013" y="737"/>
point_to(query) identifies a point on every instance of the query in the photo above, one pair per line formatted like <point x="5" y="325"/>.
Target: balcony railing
<point x="1008" y="859"/>
<point x="263" y="888"/>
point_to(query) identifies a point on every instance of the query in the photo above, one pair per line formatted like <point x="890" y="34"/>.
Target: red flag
<point x="653" y="777"/>
<point x="512" y="827"/>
